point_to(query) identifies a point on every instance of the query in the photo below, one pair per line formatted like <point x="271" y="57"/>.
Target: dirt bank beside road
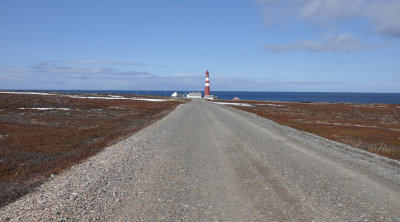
<point x="43" y="133"/>
<point x="371" y="127"/>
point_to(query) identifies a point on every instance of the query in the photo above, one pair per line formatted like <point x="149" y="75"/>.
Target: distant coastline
<point x="329" y="97"/>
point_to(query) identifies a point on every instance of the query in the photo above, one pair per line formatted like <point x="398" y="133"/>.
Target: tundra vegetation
<point x="41" y="135"/>
<point x="371" y="127"/>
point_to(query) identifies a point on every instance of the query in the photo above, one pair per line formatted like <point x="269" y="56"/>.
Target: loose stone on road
<point x="209" y="162"/>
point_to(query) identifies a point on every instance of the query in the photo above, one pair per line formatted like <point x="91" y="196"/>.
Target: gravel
<point x="209" y="162"/>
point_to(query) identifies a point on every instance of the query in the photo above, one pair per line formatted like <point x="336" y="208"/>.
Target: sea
<point x="329" y="97"/>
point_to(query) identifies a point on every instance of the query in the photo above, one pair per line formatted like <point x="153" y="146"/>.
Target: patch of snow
<point x="151" y="100"/>
<point x="269" y="104"/>
<point x="47" y="108"/>
<point x="234" y="104"/>
<point x="30" y="93"/>
<point x="90" y="97"/>
<point x="116" y="97"/>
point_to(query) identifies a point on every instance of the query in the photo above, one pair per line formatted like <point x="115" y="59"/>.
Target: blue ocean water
<point x="390" y="98"/>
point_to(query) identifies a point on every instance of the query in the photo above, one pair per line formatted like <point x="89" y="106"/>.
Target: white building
<point x="176" y="95"/>
<point x="211" y="97"/>
<point x="194" y="95"/>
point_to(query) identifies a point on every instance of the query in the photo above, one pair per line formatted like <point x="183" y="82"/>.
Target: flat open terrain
<point x="371" y="127"/>
<point x="41" y="134"/>
<point x="209" y="162"/>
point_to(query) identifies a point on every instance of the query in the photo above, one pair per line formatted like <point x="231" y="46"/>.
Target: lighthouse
<point x="207" y="94"/>
<point x="207" y="85"/>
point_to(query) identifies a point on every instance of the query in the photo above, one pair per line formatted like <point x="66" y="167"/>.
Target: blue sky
<point x="264" y="45"/>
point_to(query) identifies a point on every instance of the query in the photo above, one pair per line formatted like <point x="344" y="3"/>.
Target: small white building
<point x="194" y="95"/>
<point x="176" y="95"/>
<point x="210" y="97"/>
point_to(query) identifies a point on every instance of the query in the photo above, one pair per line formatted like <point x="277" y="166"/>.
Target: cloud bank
<point x="41" y="76"/>
<point x="381" y="17"/>
<point x="343" y="42"/>
<point x="92" y="62"/>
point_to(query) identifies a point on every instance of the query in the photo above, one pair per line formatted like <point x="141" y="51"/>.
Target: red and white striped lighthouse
<point x="207" y="85"/>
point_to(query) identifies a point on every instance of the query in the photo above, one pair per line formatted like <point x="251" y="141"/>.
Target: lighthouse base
<point x="210" y="97"/>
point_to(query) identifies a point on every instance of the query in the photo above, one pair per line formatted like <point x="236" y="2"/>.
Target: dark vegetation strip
<point x="37" y="143"/>
<point x="371" y="127"/>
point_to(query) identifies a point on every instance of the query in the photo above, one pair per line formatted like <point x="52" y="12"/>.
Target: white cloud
<point x="185" y="75"/>
<point x="48" y="77"/>
<point x="73" y="70"/>
<point x="226" y="83"/>
<point x="330" y="10"/>
<point x="7" y="77"/>
<point x="382" y="16"/>
<point x="47" y="67"/>
<point x="93" y="62"/>
<point x="333" y="43"/>
<point x="385" y="17"/>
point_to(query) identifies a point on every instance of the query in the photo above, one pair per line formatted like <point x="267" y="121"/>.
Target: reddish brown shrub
<point x="372" y="127"/>
<point x="36" y="143"/>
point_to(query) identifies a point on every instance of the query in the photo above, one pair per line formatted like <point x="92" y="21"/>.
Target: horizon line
<point x="195" y="90"/>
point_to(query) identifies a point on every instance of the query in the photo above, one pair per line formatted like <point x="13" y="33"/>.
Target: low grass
<point x="37" y="143"/>
<point x="371" y="127"/>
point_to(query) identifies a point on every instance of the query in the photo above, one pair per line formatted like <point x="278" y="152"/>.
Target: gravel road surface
<point x="209" y="162"/>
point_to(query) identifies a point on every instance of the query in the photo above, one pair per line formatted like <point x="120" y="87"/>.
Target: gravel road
<point x="209" y="162"/>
